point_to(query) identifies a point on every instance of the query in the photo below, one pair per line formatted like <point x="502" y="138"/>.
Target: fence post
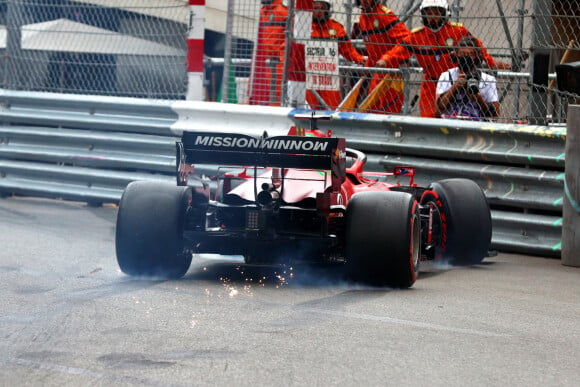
<point x="302" y="32"/>
<point x="228" y="63"/>
<point x="195" y="46"/>
<point x="14" y="17"/>
<point x="540" y="60"/>
<point x="571" y="209"/>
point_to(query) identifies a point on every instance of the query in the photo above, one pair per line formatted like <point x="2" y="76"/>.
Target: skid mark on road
<point x="398" y="321"/>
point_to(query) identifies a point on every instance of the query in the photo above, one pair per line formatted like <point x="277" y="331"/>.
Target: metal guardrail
<point x="520" y="168"/>
<point x="89" y="148"/>
<point x="82" y="148"/>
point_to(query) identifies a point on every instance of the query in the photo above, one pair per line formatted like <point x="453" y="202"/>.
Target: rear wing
<point x="323" y="153"/>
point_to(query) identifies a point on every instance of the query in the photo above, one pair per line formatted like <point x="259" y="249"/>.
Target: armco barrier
<point x="520" y="168"/>
<point x="89" y="148"/>
<point x="80" y="147"/>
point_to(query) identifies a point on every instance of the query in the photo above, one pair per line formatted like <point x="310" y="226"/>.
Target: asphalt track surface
<point x="69" y="317"/>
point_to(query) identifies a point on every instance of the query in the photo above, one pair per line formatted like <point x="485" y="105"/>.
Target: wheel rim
<point x="415" y="244"/>
<point x="435" y="225"/>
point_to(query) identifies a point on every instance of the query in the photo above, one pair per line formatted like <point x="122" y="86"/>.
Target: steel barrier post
<point x="195" y="46"/>
<point x="302" y="32"/>
<point x="518" y="55"/>
<point x="540" y="58"/>
<point x="13" y="54"/>
<point x="406" y="91"/>
<point x="571" y="209"/>
<point x="228" y="63"/>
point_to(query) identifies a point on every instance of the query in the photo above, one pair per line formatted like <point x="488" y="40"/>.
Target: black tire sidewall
<point x="149" y="233"/>
<point x="465" y="221"/>
<point x="378" y="238"/>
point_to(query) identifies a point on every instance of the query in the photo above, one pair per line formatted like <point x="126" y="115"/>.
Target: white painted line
<point x="417" y="324"/>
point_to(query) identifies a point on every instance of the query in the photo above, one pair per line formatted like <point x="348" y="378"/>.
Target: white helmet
<point x="328" y="3"/>
<point x="375" y="3"/>
<point x="445" y="13"/>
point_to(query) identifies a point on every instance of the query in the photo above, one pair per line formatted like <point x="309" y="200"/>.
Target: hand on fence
<point x="381" y="63"/>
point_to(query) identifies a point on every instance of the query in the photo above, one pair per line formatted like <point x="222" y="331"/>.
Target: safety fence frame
<point x="532" y="36"/>
<point x="88" y="148"/>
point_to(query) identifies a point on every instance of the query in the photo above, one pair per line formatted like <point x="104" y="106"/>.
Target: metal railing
<point x="82" y="148"/>
<point x="509" y="82"/>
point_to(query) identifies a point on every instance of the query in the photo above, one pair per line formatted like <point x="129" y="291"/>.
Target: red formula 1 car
<point x="296" y="198"/>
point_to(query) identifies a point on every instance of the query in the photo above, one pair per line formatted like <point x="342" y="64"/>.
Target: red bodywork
<point x="275" y="194"/>
<point x="298" y="185"/>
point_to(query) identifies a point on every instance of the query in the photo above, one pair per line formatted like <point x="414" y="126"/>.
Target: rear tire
<point x="383" y="239"/>
<point x="149" y="234"/>
<point x="465" y="221"/>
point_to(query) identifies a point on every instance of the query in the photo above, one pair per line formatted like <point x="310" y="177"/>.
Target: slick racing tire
<point x="383" y="239"/>
<point x="149" y="234"/>
<point x="464" y="221"/>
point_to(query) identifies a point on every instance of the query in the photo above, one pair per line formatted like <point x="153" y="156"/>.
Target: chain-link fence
<point x="139" y="48"/>
<point x="109" y="47"/>
<point x="525" y="38"/>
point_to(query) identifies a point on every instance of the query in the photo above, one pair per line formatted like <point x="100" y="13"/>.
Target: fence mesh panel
<point x="139" y="48"/>
<point x="121" y="47"/>
<point x="513" y="32"/>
